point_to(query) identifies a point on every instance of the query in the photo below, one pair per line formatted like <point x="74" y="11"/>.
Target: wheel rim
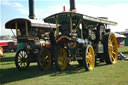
<point x="90" y="58"/>
<point x="62" y="58"/>
<point x="45" y="60"/>
<point x="22" y="59"/>
<point x="113" y="48"/>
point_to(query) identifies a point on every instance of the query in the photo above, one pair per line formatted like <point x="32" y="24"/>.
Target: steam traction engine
<point x="33" y="39"/>
<point x="82" y="38"/>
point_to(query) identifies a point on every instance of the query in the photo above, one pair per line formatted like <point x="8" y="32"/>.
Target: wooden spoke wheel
<point x="89" y="58"/>
<point x="45" y="59"/>
<point x="21" y="59"/>
<point x="61" y="56"/>
<point x="110" y="49"/>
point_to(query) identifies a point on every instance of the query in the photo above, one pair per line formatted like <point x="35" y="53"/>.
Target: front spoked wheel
<point x="21" y="60"/>
<point x="61" y="56"/>
<point x="88" y="58"/>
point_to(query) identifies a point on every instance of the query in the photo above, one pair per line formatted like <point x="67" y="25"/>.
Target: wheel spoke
<point x="60" y="58"/>
<point x="90" y="56"/>
<point x="19" y="57"/>
<point x="112" y="57"/>
<point x="25" y="55"/>
<point x="24" y="64"/>
<point x="114" y="52"/>
<point x="21" y="64"/>
<point x="91" y="59"/>
<point x="19" y="61"/>
<point x="21" y="53"/>
<point x="88" y="60"/>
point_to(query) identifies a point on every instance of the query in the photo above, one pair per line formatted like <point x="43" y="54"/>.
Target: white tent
<point x="119" y="35"/>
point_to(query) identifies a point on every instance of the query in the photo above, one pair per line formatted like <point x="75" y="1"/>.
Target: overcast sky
<point x="115" y="10"/>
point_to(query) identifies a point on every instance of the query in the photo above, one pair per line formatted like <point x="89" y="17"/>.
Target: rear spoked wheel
<point x="61" y="60"/>
<point x="45" y="59"/>
<point x="21" y="60"/>
<point x="110" y="49"/>
<point x="88" y="58"/>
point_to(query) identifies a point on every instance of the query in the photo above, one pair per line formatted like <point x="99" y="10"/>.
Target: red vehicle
<point x="8" y="45"/>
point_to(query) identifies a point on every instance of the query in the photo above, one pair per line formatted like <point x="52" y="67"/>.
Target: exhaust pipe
<point x="31" y="9"/>
<point x="72" y="6"/>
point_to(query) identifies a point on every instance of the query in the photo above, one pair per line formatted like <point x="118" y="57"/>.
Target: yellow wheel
<point x="45" y="59"/>
<point x="89" y="58"/>
<point x="110" y="49"/>
<point x="61" y="56"/>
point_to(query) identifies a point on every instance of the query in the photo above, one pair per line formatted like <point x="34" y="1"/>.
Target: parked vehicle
<point x="82" y="38"/>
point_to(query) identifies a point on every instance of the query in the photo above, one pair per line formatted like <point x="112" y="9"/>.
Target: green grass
<point x="116" y="74"/>
<point x="124" y="50"/>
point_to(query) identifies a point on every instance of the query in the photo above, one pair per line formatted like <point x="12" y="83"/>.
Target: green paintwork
<point x="126" y="42"/>
<point x="20" y="46"/>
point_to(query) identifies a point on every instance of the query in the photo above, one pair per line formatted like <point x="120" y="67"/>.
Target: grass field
<point x="116" y="74"/>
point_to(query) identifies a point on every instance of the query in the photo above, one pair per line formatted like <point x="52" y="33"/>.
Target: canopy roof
<point x="64" y="16"/>
<point x="33" y="23"/>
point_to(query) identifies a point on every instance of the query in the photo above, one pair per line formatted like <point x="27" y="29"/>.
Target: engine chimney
<point x="72" y="6"/>
<point x="31" y="9"/>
